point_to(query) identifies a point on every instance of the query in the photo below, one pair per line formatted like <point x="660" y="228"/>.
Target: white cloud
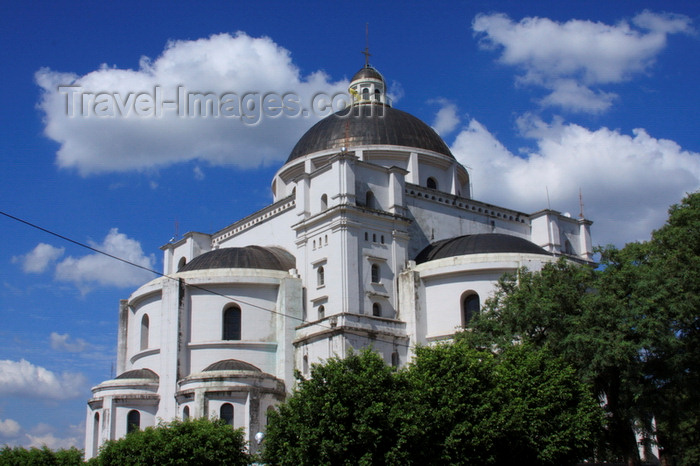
<point x="446" y="119"/>
<point x="44" y="434"/>
<point x="628" y="181"/>
<point x="107" y="271"/>
<point x="569" y="58"/>
<point x="198" y="173"/>
<point x="23" y="379"/>
<point x="9" y="428"/>
<point x="39" y="258"/>
<point x="572" y="96"/>
<point x="62" y="342"/>
<point x="221" y="64"/>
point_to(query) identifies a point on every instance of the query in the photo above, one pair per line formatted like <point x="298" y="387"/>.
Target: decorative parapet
<point x="469" y="205"/>
<point x="351" y="323"/>
<point x="262" y="215"/>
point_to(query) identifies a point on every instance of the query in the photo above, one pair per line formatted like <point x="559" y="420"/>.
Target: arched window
<point x="470" y="308"/>
<point x="321" y="312"/>
<point x="375" y="273"/>
<point x="133" y="421"/>
<point x="96" y="434"/>
<point x="376" y="310"/>
<point x="377" y="95"/>
<point x="144" y="332"/>
<point x="366" y="236"/>
<point x="232" y="323"/>
<point x="324" y="202"/>
<point x="431" y="183"/>
<point x="182" y="263"/>
<point x="305" y="364"/>
<point x="395" y="359"/>
<point x="365" y="94"/>
<point x="226" y="413"/>
<point x="186" y="413"/>
<point x="320" y="276"/>
<point x="370" y="200"/>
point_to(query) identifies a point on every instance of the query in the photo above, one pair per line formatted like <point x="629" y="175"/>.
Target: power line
<point x="160" y="274"/>
<point x="133" y="264"/>
<point x="83" y="245"/>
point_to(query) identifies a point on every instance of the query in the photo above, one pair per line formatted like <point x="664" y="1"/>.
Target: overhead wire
<point x="163" y="275"/>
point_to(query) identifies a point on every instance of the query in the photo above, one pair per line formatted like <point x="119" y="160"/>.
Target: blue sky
<point x="535" y="98"/>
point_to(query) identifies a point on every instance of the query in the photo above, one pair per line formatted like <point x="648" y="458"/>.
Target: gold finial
<point x="366" y="51"/>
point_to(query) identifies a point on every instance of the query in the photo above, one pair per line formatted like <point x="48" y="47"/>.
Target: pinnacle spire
<point x="366" y="51"/>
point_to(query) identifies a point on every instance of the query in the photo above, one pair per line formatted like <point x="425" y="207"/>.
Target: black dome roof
<point x="478" y="244"/>
<point x="231" y="365"/>
<point x="368" y="71"/>
<point x="138" y="374"/>
<point x="369" y="124"/>
<point x="249" y="257"/>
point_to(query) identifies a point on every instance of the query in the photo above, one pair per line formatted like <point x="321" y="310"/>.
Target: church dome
<point x="478" y="244"/>
<point x="249" y="257"/>
<point x="138" y="374"/>
<point x="370" y="120"/>
<point x="231" y="365"/>
<point x="373" y="124"/>
<point x="367" y="72"/>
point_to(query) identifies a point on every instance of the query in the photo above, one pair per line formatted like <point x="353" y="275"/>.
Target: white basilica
<point x="373" y="239"/>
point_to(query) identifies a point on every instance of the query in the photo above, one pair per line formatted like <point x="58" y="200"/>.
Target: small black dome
<point x="249" y="257"/>
<point x="369" y="124"/>
<point x="138" y="374"/>
<point x="368" y="71"/>
<point x="478" y="244"/>
<point x="231" y="365"/>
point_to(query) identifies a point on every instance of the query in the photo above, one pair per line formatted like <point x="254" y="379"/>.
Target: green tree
<point x="20" y="456"/>
<point x="631" y="328"/>
<point x="452" y="405"/>
<point x="341" y="415"/>
<point x="670" y="290"/>
<point x="519" y="406"/>
<point x="563" y="309"/>
<point x="189" y="442"/>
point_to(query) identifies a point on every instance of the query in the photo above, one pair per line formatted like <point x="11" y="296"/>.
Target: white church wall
<point x="438" y="219"/>
<point x="240" y="407"/>
<point x="387" y="157"/>
<point x="443" y="295"/>
<point x="445" y="281"/>
<point x="147" y="413"/>
<point x="258" y="336"/>
<point x="256" y="302"/>
<point x="551" y="230"/>
<point x="276" y="230"/>
<point x="177" y="254"/>
<point x="137" y="341"/>
<point x="375" y="179"/>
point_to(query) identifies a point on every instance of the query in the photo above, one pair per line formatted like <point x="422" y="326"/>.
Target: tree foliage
<point x="342" y="415"/>
<point x="188" y="442"/>
<point x="631" y="329"/>
<point x="20" y="456"/>
<point x="520" y="406"/>
<point x="452" y="405"/>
